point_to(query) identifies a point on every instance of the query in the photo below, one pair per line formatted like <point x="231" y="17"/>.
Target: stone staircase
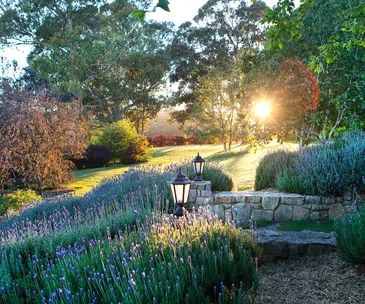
<point x="290" y="244"/>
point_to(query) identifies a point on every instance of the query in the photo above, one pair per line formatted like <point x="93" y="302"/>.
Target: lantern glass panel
<point x="186" y="192"/>
<point x="173" y="192"/>
<point x="180" y="192"/>
<point x="198" y="167"/>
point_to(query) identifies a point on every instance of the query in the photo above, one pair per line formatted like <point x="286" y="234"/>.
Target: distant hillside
<point x="160" y="125"/>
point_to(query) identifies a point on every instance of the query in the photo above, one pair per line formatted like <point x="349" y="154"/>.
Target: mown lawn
<point x="241" y="163"/>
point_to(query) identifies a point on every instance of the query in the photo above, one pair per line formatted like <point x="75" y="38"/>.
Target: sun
<point x="262" y="109"/>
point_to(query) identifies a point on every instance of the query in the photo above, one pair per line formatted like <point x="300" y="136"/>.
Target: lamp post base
<point x="179" y="211"/>
<point x="198" y="178"/>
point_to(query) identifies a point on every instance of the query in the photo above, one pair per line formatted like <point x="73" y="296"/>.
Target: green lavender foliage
<point x="274" y="163"/>
<point x="350" y="236"/>
<point x="329" y="169"/>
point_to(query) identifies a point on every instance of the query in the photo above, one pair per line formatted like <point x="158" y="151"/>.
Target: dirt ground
<point x="320" y="280"/>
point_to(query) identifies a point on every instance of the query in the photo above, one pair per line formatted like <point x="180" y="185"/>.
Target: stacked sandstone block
<point x="200" y="195"/>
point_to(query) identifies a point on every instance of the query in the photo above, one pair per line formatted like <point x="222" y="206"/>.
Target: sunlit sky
<point x="180" y="11"/>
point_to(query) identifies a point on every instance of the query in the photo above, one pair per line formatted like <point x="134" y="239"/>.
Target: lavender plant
<point x="350" y="236"/>
<point x="273" y="163"/>
<point x="159" y="260"/>
<point x="41" y="231"/>
<point x="328" y="169"/>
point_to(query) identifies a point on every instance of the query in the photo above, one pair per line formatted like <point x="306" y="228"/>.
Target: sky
<point x="180" y="11"/>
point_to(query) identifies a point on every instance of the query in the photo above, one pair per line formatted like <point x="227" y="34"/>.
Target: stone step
<point x="290" y="244"/>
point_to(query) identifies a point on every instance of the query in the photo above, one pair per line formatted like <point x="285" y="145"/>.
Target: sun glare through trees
<point x="262" y="109"/>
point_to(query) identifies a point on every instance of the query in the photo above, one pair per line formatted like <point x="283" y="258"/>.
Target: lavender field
<point x="118" y="244"/>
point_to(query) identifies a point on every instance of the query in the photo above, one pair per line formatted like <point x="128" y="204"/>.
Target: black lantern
<point x="198" y="164"/>
<point x="180" y="187"/>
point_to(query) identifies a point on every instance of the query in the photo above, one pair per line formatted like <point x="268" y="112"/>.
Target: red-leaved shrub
<point x="177" y="140"/>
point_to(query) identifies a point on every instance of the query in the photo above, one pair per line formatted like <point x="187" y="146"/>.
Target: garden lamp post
<point x="198" y="164"/>
<point x="180" y="187"/>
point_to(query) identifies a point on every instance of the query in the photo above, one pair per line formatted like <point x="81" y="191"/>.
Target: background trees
<point x="219" y="34"/>
<point x="216" y="114"/>
<point x="93" y="49"/>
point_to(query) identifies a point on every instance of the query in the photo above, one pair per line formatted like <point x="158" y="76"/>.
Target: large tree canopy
<point x="92" y="48"/>
<point x="315" y="33"/>
<point x="220" y="32"/>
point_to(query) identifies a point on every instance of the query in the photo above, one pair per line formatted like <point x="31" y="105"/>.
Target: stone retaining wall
<point x="267" y="206"/>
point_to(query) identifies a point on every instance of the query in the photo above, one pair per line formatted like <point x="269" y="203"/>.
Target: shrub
<point x="330" y="169"/>
<point x="274" y="163"/>
<point x="38" y="133"/>
<point x="137" y="152"/>
<point x="214" y="172"/>
<point x="160" y="140"/>
<point x="289" y="181"/>
<point x="97" y="156"/>
<point x="193" y="140"/>
<point x="15" y="200"/>
<point x="80" y="163"/>
<point x="350" y="236"/>
<point x="116" y="137"/>
<point x="177" y="140"/>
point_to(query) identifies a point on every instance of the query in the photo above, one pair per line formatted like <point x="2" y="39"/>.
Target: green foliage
<point x="326" y="226"/>
<point x="216" y="113"/>
<point x="15" y="200"/>
<point x="350" y="236"/>
<point x="116" y="137"/>
<point x="164" y="4"/>
<point x="289" y="181"/>
<point x="273" y="164"/>
<point x="138" y="152"/>
<point x="216" y="37"/>
<point x="214" y="172"/>
<point x="320" y="34"/>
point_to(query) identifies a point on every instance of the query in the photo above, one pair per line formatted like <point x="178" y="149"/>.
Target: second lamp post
<point x="198" y="164"/>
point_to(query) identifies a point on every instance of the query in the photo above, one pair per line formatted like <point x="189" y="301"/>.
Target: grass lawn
<point x="320" y="226"/>
<point x="241" y="163"/>
<point x="88" y="178"/>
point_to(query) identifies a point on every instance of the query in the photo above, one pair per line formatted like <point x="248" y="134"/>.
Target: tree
<point x="91" y="48"/>
<point x="221" y="32"/>
<point x="37" y="136"/>
<point x="218" y="107"/>
<point x="327" y="35"/>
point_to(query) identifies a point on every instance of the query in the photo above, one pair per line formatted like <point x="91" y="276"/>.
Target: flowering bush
<point x="106" y="245"/>
<point x="162" y="260"/>
<point x="328" y="169"/>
